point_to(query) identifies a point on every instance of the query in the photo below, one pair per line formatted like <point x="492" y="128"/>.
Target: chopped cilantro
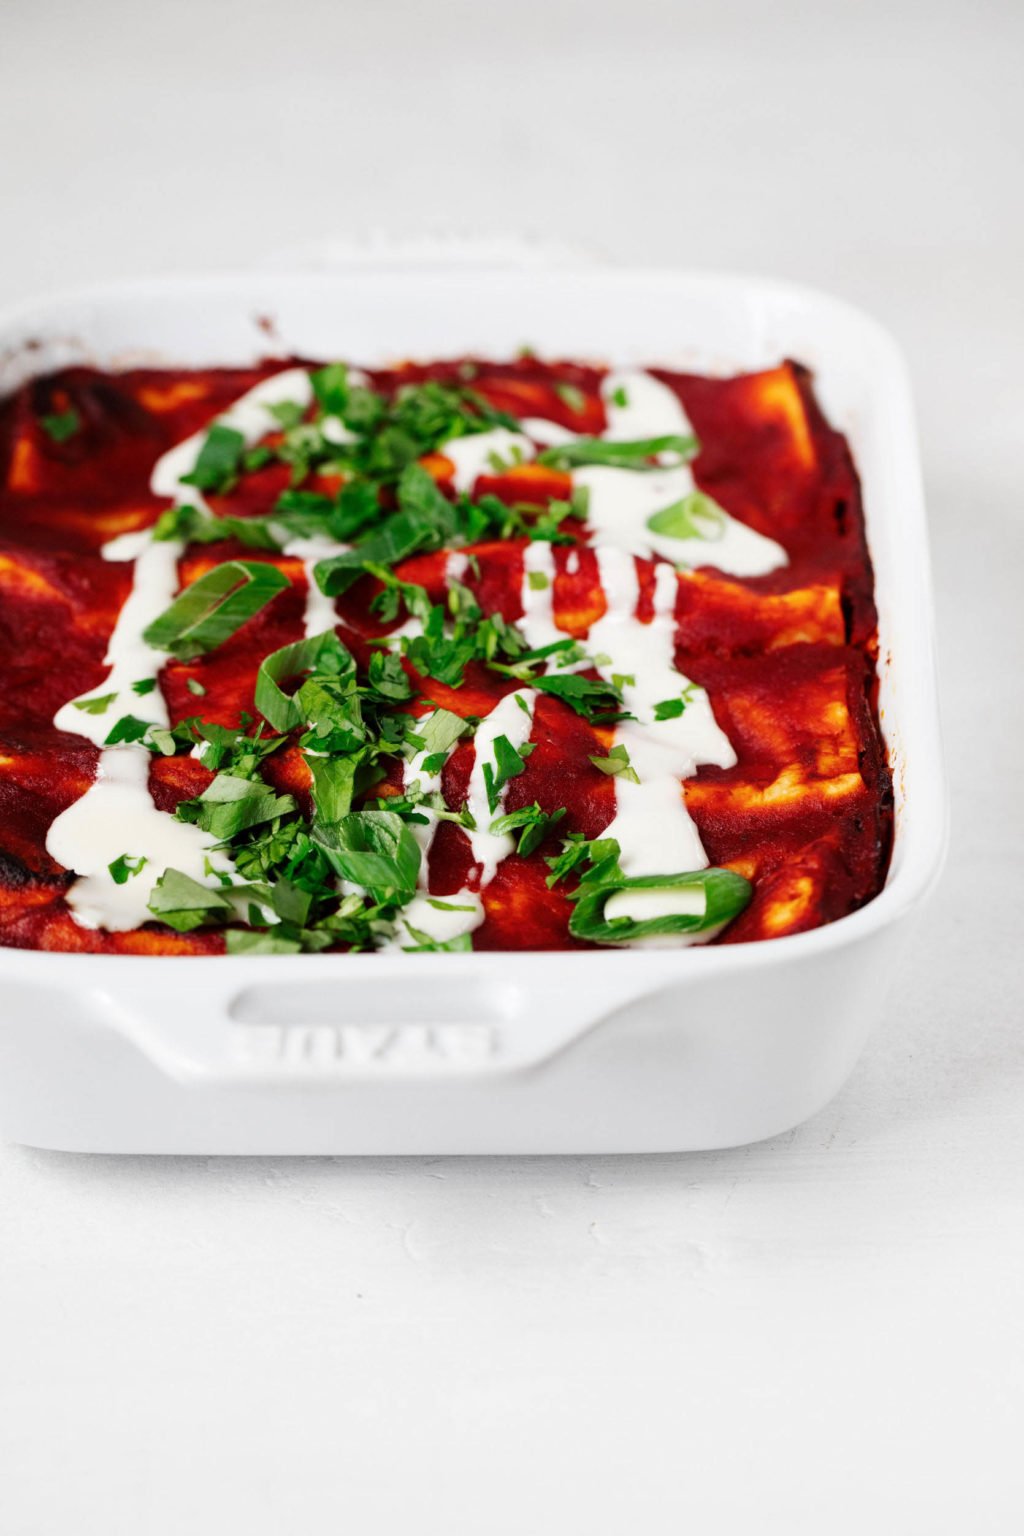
<point x="184" y="904"/>
<point x="572" y="396"/>
<point x="594" y="699"/>
<point x="616" y="763"/>
<point x="123" y="868"/>
<point x="128" y="729"/>
<point x="461" y="944"/>
<point x="508" y="763"/>
<point x="531" y="822"/>
<point x="671" y="709"/>
<point x="97" y="705"/>
<point x="61" y="425"/>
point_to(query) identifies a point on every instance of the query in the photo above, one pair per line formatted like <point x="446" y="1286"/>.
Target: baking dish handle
<point x="399" y="1026"/>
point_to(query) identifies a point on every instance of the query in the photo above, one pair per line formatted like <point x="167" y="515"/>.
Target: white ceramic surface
<point x="610" y="1051"/>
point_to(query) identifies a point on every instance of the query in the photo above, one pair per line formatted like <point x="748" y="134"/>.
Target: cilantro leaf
<point x="122" y="869"/>
<point x="441" y="730"/>
<point x="231" y="804"/>
<point x="333" y="786"/>
<point x="129" y="728"/>
<point x="184" y="904"/>
<point x="97" y="705"/>
<point x="531" y="822"/>
<point x="616" y="763"/>
<point x="374" y="849"/>
<point x="426" y="520"/>
<point x="601" y="854"/>
<point x="508" y="763"/>
<point x="589" y="697"/>
<point x="322" y="654"/>
<point x="61" y="425"/>
<point x="331" y="388"/>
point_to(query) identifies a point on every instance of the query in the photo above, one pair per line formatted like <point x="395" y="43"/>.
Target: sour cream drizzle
<point x="654" y="830"/>
<point x="116" y="815"/>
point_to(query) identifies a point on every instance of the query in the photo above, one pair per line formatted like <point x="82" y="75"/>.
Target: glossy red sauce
<point x="788" y="659"/>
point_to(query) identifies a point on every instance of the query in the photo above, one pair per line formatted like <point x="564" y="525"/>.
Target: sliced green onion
<point x="219" y="459"/>
<point x="629" y="455"/>
<point x="695" y="516"/>
<point x="725" y="896"/>
<point x="213" y="608"/>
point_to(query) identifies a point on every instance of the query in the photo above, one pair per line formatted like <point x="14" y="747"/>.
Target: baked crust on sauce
<point x="788" y="659"/>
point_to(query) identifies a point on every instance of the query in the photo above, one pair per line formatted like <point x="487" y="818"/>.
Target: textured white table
<point x="822" y="1333"/>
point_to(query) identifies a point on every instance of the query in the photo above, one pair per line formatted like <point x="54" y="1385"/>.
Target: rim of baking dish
<point x="921" y="837"/>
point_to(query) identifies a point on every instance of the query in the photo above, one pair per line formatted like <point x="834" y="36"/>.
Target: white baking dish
<point x="588" y="1052"/>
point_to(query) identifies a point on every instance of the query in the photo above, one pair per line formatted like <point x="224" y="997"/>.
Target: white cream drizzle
<point x="549" y="434"/>
<point x="320" y="613"/>
<point x="473" y="456"/>
<point x="649" y="408"/>
<point x="130" y="659"/>
<point x="514" y="720"/>
<point x="249" y="415"/>
<point x="116" y="814"/>
<point x="621" y="502"/>
<point x="538" y="619"/>
<point x="438" y="922"/>
<point x="654" y="830"/>
<point x="651" y="823"/>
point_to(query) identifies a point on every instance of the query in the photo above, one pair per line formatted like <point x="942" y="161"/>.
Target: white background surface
<point x="821" y="1333"/>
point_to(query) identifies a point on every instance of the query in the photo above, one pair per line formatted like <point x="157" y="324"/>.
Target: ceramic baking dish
<point x="604" y="1051"/>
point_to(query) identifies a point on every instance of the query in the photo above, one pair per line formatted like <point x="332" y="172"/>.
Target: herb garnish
<point x="97" y="705"/>
<point x="509" y="762"/>
<point x="671" y="709"/>
<point x="219" y="459"/>
<point x="60" y="425"/>
<point x="210" y="611"/>
<point x="617" y="763"/>
<point x="531" y="822"/>
<point x="122" y="869"/>
<point x="694" y="516"/>
<point x="638" y="454"/>
<point x="338" y="869"/>
<point x="599" y="876"/>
